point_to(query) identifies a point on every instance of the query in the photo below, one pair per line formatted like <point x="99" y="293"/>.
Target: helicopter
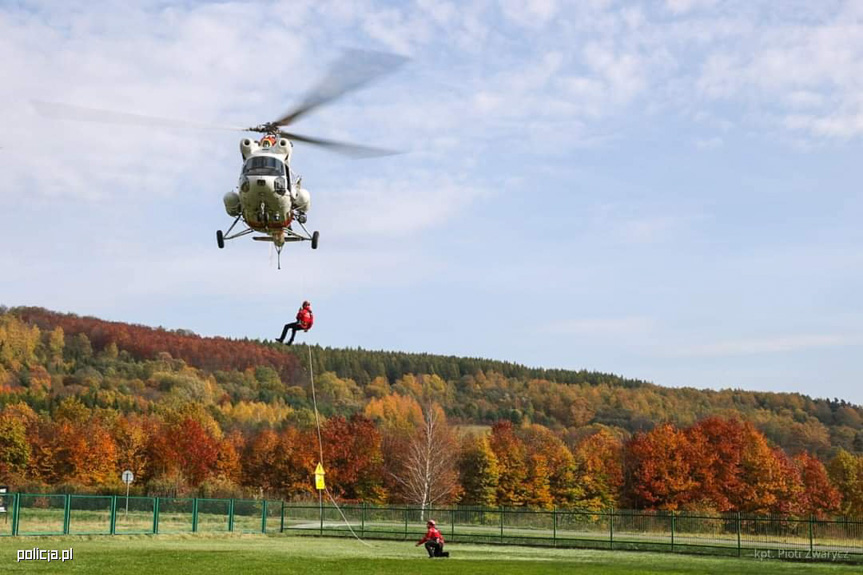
<point x="269" y="197"/>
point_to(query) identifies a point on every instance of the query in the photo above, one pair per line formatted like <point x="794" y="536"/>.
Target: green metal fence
<point x="42" y="514"/>
<point x="731" y="534"/>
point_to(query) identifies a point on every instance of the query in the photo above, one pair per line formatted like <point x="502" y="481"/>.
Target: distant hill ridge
<point x="471" y="390"/>
<point x="361" y="365"/>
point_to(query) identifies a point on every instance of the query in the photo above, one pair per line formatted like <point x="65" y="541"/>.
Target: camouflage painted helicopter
<point x="269" y="197"/>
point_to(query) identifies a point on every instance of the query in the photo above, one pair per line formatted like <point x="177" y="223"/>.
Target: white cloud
<point x="783" y="68"/>
<point x="529" y="13"/>
<point x="397" y="207"/>
<point x="684" y="6"/>
<point x="805" y="99"/>
<point x="839" y="125"/>
<point x="623" y="73"/>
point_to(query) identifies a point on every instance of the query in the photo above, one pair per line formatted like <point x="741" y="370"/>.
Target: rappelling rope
<point x="321" y="448"/>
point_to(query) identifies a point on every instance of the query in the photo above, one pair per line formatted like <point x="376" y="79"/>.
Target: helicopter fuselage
<point x="268" y="199"/>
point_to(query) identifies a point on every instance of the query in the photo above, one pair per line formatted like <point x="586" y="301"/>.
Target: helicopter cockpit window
<point x="264" y="166"/>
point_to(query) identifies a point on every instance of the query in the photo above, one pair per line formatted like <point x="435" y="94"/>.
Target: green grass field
<point x="211" y="554"/>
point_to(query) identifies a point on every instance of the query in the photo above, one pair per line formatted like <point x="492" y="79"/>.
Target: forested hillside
<point x="82" y="399"/>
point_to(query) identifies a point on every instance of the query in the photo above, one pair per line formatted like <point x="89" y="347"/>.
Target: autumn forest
<point x="83" y="399"/>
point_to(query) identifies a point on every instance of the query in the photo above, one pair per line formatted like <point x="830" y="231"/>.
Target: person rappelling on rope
<point x="305" y="320"/>
<point x="433" y="540"/>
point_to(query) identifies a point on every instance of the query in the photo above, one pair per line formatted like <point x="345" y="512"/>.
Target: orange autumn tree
<point x="281" y="463"/>
<point x="354" y="462"/>
<point x="599" y="470"/>
<point x="659" y="469"/>
<point x="818" y="496"/>
<point x="261" y="463"/>
<point x="132" y="435"/>
<point x="83" y="451"/>
<point x="228" y="464"/>
<point x="511" y="463"/>
<point x="551" y="475"/>
<point x="762" y="475"/>
<point x="717" y="450"/>
<point x="184" y="452"/>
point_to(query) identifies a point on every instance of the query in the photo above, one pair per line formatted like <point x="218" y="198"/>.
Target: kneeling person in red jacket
<point x="305" y="319"/>
<point x="434" y="541"/>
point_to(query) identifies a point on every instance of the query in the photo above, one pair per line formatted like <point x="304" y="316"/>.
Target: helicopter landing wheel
<point x="315" y="237"/>
<point x="220" y="239"/>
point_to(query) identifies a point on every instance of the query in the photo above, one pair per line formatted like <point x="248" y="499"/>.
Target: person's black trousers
<point x="292" y="326"/>
<point x="435" y="549"/>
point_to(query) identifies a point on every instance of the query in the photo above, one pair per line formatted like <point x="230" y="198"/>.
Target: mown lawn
<point x="212" y="554"/>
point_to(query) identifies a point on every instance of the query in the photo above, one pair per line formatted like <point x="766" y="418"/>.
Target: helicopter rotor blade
<point x="58" y="111"/>
<point x="344" y="148"/>
<point x="355" y="69"/>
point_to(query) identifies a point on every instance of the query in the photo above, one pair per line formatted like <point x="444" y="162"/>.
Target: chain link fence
<point x="731" y="534"/>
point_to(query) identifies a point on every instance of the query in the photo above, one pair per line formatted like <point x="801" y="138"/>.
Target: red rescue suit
<point x="432" y="535"/>
<point x="305" y="317"/>
<point x="434" y="541"/>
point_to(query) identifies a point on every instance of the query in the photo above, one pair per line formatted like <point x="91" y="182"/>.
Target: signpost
<point x="320" y="486"/>
<point x="4" y="490"/>
<point x="319" y="478"/>
<point x="128" y="478"/>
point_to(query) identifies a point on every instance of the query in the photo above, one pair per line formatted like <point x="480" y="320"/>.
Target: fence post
<point x="282" y="519"/>
<point x="16" y="513"/>
<point x="672" y="531"/>
<point x="155" y="516"/>
<point x="363" y="520"/>
<point x="406" y="523"/>
<point x="231" y="515"/>
<point x="611" y="528"/>
<point x="739" y="550"/>
<point x="501" y="523"/>
<point x="811" y="538"/>
<point x="264" y="517"/>
<point x="554" y="525"/>
<point x="195" y="515"/>
<point x="113" y="515"/>
<point x="67" y="513"/>
<point x="452" y="522"/>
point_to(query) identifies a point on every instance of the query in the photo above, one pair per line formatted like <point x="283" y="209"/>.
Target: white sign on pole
<point x="128" y="478"/>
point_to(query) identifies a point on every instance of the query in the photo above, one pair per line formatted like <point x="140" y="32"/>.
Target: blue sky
<point x="668" y="190"/>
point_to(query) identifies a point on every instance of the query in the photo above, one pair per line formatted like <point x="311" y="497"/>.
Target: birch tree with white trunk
<point x="428" y="475"/>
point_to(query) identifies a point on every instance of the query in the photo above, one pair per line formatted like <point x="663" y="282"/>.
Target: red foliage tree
<point x="716" y="452"/>
<point x="207" y="353"/>
<point x="659" y="469"/>
<point x="187" y="449"/>
<point x="352" y="448"/>
<point x="819" y="497"/>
